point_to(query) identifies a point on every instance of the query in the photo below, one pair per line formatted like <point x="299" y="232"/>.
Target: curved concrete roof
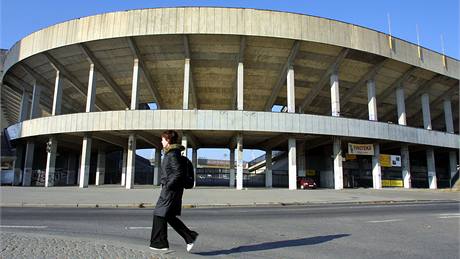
<point x="231" y="21"/>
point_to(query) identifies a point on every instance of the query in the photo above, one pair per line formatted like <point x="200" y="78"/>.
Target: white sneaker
<point x="190" y="246"/>
<point x="158" y="249"/>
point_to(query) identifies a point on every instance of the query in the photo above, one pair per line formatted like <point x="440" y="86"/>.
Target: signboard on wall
<point x="390" y="160"/>
<point x="395" y="161"/>
<point x="361" y="149"/>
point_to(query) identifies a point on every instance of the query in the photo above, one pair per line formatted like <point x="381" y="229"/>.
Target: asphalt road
<point x="411" y="230"/>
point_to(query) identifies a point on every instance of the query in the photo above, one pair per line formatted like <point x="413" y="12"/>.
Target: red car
<point x="306" y="183"/>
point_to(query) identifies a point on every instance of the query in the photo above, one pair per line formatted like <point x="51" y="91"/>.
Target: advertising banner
<point x="361" y="149"/>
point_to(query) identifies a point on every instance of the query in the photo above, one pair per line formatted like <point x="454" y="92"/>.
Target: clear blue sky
<point x="22" y="17"/>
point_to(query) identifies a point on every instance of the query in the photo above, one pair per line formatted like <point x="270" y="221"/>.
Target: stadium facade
<point x="358" y="107"/>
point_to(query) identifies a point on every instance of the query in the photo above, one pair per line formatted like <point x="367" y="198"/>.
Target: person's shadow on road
<point x="275" y="245"/>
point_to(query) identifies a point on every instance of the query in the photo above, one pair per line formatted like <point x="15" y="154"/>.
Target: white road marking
<point x="35" y="227"/>
<point x="450" y="214"/>
<point x="384" y="221"/>
<point x="449" y="217"/>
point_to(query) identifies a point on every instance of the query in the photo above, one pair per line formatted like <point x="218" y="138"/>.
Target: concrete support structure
<point x="85" y="161"/>
<point x="91" y="96"/>
<point x="124" y="165"/>
<point x="239" y="161"/>
<point x="426" y="111"/>
<point x="157" y="169"/>
<point x="290" y="90"/>
<point x="185" y="144"/>
<point x="371" y="100"/>
<point x="57" y="97"/>
<point x="25" y="107"/>
<point x="28" y="163"/>
<point x="131" y="162"/>
<point x="448" y="116"/>
<point x="240" y="87"/>
<point x="186" y="84"/>
<point x="51" y="150"/>
<point x="431" y="168"/>
<point x="376" y="168"/>
<point x="338" y="169"/>
<point x="195" y="163"/>
<point x="17" y="166"/>
<point x="292" y="163"/>
<point x="35" y="106"/>
<point x="452" y="166"/>
<point x="135" y="86"/>
<point x="232" y="168"/>
<point x="100" y="172"/>
<point x="401" y="106"/>
<point x="405" y="166"/>
<point x="335" y="95"/>
<point x="268" y="169"/>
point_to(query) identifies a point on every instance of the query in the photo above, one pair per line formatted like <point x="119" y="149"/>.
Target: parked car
<point x="306" y="183"/>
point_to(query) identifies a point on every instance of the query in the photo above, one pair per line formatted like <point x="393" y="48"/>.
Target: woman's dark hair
<point x="171" y="136"/>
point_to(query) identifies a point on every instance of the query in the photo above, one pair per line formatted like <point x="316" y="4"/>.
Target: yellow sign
<point x="392" y="183"/>
<point x="385" y="160"/>
<point x="311" y="172"/>
<point x="361" y="149"/>
<point x="350" y="157"/>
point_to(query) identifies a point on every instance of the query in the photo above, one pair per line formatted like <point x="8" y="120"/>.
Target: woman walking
<point x="169" y="203"/>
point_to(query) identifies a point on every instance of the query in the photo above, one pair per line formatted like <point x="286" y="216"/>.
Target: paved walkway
<point x="110" y="196"/>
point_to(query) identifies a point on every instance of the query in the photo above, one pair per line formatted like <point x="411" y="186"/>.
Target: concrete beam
<point x="192" y="85"/>
<point x="105" y="75"/>
<point x="282" y="76"/>
<point x="324" y="79"/>
<point x="239" y="59"/>
<point x="150" y="139"/>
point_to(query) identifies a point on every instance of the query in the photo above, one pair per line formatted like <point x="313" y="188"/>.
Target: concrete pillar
<point x="448" y="116"/>
<point x="290" y="90"/>
<point x="25" y="107"/>
<point x="135" y="86"/>
<point x="401" y="106"/>
<point x="292" y="163"/>
<point x="335" y="95"/>
<point x="79" y="169"/>
<point x="35" y="107"/>
<point x="405" y="166"/>
<point x="195" y="163"/>
<point x="426" y="111"/>
<point x="184" y="143"/>
<point x="57" y="97"/>
<point x="131" y="162"/>
<point x="239" y="162"/>
<point x="100" y="172"/>
<point x="28" y="163"/>
<point x="17" y="176"/>
<point x="376" y="168"/>
<point x="186" y="84"/>
<point x="71" y="169"/>
<point x="240" y="88"/>
<point x="268" y="169"/>
<point x="85" y="161"/>
<point x="338" y="169"/>
<point x="232" y="168"/>
<point x="124" y="166"/>
<point x="371" y="100"/>
<point x="51" y="150"/>
<point x="91" y="96"/>
<point x="431" y="168"/>
<point x="452" y="165"/>
<point x="157" y="169"/>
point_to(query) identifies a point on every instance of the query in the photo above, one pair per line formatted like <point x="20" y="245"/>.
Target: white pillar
<point x="240" y="88"/>
<point x="35" y="107"/>
<point x="124" y="165"/>
<point x="448" y="116"/>
<point x="195" y="163"/>
<point x="51" y="150"/>
<point x="135" y="86"/>
<point x="426" y="111"/>
<point x="100" y="172"/>
<point x="431" y="168"/>
<point x="85" y="161"/>
<point x="25" y="107"/>
<point x="268" y="169"/>
<point x="452" y="165"/>
<point x="91" y="96"/>
<point x="405" y="166"/>
<point x="186" y="84"/>
<point x="239" y="162"/>
<point x="371" y="100"/>
<point x="376" y="168"/>
<point x="184" y="143"/>
<point x="17" y="176"/>
<point x="131" y="162"/>
<point x="157" y="169"/>
<point x="335" y="95"/>
<point x="292" y="166"/>
<point x="290" y="90"/>
<point x="338" y="169"/>
<point x="401" y="106"/>
<point x="57" y="97"/>
<point x="232" y="168"/>
<point x="28" y="163"/>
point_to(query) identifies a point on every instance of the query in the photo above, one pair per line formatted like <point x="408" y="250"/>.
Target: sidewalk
<point x="114" y="196"/>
